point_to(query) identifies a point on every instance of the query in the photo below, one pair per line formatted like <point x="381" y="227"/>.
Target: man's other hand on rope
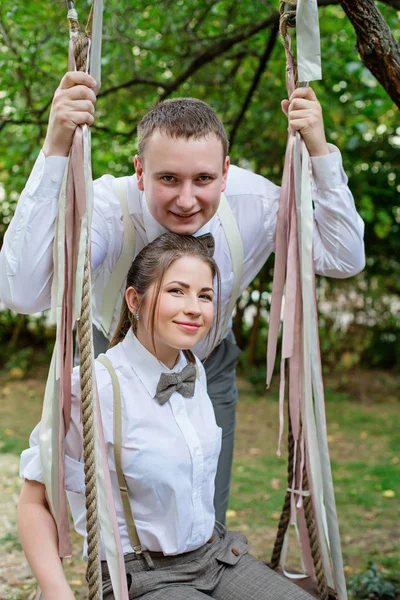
<point x="305" y="115"/>
<point x="73" y="105"/>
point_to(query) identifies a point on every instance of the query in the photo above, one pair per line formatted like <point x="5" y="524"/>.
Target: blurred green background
<point x="228" y="54"/>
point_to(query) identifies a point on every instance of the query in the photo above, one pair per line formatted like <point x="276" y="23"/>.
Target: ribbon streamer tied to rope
<point x="71" y="303"/>
<point x="310" y="503"/>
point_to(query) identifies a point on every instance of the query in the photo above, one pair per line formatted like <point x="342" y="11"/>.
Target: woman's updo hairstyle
<point x="150" y="266"/>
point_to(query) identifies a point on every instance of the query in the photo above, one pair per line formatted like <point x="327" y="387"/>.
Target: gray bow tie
<point x="182" y="382"/>
<point x="208" y="240"/>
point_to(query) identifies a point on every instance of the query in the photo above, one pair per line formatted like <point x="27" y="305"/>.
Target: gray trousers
<point x="220" y="569"/>
<point x="220" y="369"/>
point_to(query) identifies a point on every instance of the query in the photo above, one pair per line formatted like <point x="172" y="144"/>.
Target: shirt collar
<point x="154" y="229"/>
<point x="146" y="366"/>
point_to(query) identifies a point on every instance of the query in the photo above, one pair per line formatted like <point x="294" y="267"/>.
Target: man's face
<point x="182" y="180"/>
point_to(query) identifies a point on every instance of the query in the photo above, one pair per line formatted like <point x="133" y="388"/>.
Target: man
<point x="181" y="170"/>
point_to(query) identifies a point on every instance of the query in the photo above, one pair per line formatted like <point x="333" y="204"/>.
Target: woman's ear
<point x="132" y="300"/>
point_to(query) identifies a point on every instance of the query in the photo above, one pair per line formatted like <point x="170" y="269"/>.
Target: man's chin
<point x="184" y="228"/>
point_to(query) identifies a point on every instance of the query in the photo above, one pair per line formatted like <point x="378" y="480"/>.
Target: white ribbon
<point x="308" y="41"/>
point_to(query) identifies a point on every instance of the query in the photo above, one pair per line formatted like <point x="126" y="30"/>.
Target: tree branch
<point x="133" y="82"/>
<point x="378" y="48"/>
<point x="217" y="49"/>
<point x="254" y="84"/>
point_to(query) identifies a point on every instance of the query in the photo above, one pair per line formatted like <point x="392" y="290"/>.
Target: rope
<point x="287" y="10"/>
<point x="285" y="515"/>
<point x="322" y="587"/>
<point x="86" y="365"/>
<point x="81" y="40"/>
<point x="81" y="47"/>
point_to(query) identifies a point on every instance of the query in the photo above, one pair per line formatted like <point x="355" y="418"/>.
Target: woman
<point x="170" y="447"/>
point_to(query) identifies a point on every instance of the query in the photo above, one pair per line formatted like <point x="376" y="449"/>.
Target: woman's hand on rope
<point x="305" y="115"/>
<point x="73" y="105"/>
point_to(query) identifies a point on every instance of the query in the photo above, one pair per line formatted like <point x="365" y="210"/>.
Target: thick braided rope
<point x="287" y="19"/>
<point x="81" y="42"/>
<point x="285" y="514"/>
<point x="322" y="586"/>
<point x="86" y="365"/>
<point x="287" y="10"/>
<point x="81" y="39"/>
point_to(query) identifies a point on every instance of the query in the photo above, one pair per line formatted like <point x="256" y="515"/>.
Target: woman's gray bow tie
<point x="182" y="382"/>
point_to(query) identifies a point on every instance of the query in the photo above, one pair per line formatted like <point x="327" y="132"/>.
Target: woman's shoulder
<point x="103" y="370"/>
<point x="108" y="364"/>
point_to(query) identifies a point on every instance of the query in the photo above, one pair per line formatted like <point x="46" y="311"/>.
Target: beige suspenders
<point x="112" y="290"/>
<point x="117" y="277"/>
<point x="234" y="240"/>
<point x="130" y="522"/>
<point x="126" y="505"/>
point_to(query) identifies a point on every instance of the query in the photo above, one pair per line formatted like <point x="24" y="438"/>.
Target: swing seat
<point x="308" y="584"/>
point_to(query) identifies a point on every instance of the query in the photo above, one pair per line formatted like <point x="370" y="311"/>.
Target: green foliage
<point x="371" y="584"/>
<point x="26" y="342"/>
<point x="211" y="50"/>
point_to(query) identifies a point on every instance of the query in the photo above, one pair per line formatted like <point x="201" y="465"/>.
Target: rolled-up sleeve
<point x="30" y="464"/>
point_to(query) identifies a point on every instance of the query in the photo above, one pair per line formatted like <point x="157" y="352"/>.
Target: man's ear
<point x="138" y="162"/>
<point x="132" y="299"/>
<point x="225" y="173"/>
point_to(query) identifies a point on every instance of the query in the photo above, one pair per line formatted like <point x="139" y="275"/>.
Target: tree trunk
<point x="378" y="48"/>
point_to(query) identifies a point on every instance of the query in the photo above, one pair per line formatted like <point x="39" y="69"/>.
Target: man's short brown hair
<point x="182" y="118"/>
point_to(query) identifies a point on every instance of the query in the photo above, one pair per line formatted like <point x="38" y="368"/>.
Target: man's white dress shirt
<point x="169" y="453"/>
<point x="26" y="260"/>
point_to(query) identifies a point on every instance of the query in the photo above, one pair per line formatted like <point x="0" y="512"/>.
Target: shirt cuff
<point x="31" y="468"/>
<point x="46" y="176"/>
<point x="30" y="465"/>
<point x="327" y="170"/>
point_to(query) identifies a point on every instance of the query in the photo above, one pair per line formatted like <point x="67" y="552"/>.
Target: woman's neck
<point x="162" y="352"/>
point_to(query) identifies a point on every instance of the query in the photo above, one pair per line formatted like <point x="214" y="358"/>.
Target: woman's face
<point x="184" y="312"/>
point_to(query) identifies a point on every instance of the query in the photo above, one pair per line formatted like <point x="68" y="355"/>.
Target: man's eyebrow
<point x="187" y="286"/>
<point x="171" y="173"/>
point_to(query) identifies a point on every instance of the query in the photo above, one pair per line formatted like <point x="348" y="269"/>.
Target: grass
<point x="364" y="446"/>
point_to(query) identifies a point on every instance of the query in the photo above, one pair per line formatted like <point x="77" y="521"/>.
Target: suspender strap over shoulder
<point x="235" y="244"/>
<point x="113" y="288"/>
<point x="130" y="522"/>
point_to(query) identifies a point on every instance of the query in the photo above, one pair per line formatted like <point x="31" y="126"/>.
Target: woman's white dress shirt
<point x="169" y="453"/>
<point x="26" y="259"/>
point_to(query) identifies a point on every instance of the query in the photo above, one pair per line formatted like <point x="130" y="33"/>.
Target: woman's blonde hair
<point x="150" y="266"/>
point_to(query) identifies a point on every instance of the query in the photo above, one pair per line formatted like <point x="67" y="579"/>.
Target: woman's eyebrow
<point x="187" y="286"/>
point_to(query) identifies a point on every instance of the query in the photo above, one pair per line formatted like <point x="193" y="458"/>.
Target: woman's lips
<point x="187" y="326"/>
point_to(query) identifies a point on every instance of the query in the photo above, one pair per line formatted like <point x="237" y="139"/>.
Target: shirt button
<point x="334" y="171"/>
<point x="235" y="551"/>
<point x="54" y="179"/>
